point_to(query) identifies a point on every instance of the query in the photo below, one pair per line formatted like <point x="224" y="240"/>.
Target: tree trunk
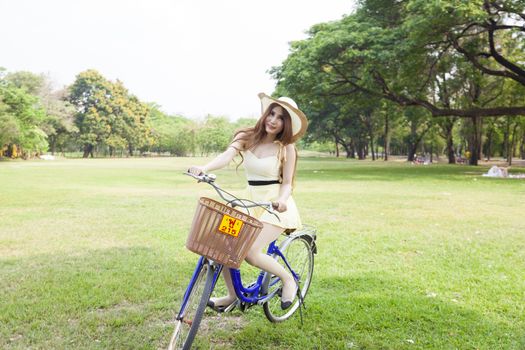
<point x="513" y="145"/>
<point x="9" y="152"/>
<point x="88" y="150"/>
<point x="413" y="142"/>
<point x="447" y="131"/>
<point x="480" y="138"/>
<point x="336" y="148"/>
<point x="488" y="148"/>
<point x="352" y="150"/>
<point x="372" y="148"/>
<point x="361" y="153"/>
<point x="450" y="150"/>
<point x="506" y="139"/>
<point x="370" y="129"/>
<point x="52" y="144"/>
<point x="522" y="148"/>
<point x="475" y="141"/>
<point x="387" y="137"/>
<point x="361" y="149"/>
<point x="348" y="150"/>
<point x="412" y="149"/>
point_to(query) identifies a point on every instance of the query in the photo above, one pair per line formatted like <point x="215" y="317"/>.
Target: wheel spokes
<point x="186" y="316"/>
<point x="299" y="256"/>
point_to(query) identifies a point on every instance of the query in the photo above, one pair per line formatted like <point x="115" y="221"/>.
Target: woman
<point x="269" y="157"/>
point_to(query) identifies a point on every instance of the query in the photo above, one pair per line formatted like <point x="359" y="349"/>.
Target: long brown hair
<point x="253" y="136"/>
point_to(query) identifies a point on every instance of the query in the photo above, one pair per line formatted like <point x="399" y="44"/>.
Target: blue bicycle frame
<point x="248" y="294"/>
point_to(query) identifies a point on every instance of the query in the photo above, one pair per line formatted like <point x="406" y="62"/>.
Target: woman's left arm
<point x="288" y="171"/>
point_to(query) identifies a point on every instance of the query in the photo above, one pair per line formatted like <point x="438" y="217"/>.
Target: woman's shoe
<point x="285" y="304"/>
<point x="211" y="304"/>
<point x="219" y="308"/>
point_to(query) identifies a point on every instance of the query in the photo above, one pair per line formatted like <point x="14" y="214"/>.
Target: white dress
<point x="268" y="169"/>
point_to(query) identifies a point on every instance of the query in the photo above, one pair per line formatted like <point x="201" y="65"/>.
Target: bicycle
<point x="296" y="253"/>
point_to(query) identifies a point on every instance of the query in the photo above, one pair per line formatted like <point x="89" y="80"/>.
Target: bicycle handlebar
<point x="235" y="202"/>
<point x="208" y="178"/>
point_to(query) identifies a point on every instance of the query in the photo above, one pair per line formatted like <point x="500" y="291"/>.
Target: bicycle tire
<point x="300" y="255"/>
<point x="186" y="327"/>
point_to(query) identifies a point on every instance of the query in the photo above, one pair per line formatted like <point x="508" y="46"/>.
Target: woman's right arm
<point x="220" y="161"/>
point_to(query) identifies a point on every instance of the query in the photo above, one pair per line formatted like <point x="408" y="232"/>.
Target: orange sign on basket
<point x="230" y="226"/>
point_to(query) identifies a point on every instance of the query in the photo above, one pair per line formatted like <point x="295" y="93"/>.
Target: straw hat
<point x="299" y="121"/>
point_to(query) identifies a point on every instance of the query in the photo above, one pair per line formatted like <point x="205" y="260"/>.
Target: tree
<point x="128" y="118"/>
<point x="386" y="50"/>
<point x="89" y="94"/>
<point x="31" y="82"/>
<point x="452" y="59"/>
<point x="59" y="122"/>
<point x="214" y="135"/>
<point x="469" y="33"/>
<point x="173" y="134"/>
<point x="105" y="109"/>
<point x="243" y="123"/>
<point x="20" y="122"/>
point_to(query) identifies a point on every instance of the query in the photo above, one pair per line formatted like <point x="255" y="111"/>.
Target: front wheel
<point x="190" y="316"/>
<point x="300" y="256"/>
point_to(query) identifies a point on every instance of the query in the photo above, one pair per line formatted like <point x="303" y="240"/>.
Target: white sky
<point x="192" y="57"/>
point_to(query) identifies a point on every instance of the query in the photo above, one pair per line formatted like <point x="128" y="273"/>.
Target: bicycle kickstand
<point x="301" y="303"/>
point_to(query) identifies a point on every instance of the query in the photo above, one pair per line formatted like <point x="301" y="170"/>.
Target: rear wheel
<point x="190" y="317"/>
<point x="299" y="254"/>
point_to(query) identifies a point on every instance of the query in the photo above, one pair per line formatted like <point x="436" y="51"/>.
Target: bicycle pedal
<point x="222" y="308"/>
<point x="245" y="306"/>
<point x="242" y="306"/>
<point x="231" y="306"/>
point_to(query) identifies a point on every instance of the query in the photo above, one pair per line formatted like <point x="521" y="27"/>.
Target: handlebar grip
<point x="202" y="177"/>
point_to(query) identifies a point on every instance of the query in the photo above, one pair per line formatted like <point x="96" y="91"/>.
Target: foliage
<point x="31" y="82"/>
<point x="20" y="122"/>
<point x="106" y="111"/>
<point x="243" y="123"/>
<point x="100" y="117"/>
<point x="173" y="134"/>
<point x="392" y="77"/>
<point x="214" y="135"/>
<point x="59" y="123"/>
<point x="451" y="59"/>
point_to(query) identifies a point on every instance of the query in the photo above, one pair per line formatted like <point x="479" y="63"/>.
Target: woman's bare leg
<point x="258" y="258"/>
<point x="230" y="297"/>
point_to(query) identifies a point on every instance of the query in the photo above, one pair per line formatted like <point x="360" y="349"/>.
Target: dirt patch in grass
<point x="227" y="323"/>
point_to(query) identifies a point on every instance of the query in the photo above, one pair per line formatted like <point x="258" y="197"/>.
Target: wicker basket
<point x="221" y="233"/>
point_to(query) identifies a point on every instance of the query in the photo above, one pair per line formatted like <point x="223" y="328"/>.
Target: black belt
<point x="263" y="183"/>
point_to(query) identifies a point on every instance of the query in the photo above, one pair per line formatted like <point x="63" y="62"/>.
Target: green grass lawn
<point x="92" y="256"/>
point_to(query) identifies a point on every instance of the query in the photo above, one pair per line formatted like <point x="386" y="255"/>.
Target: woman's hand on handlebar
<point x="196" y="170"/>
<point x="279" y="206"/>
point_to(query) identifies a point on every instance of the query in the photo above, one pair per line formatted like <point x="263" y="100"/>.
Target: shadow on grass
<point x="405" y="172"/>
<point x="378" y="312"/>
<point x="373" y="312"/>
<point x="112" y="298"/>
